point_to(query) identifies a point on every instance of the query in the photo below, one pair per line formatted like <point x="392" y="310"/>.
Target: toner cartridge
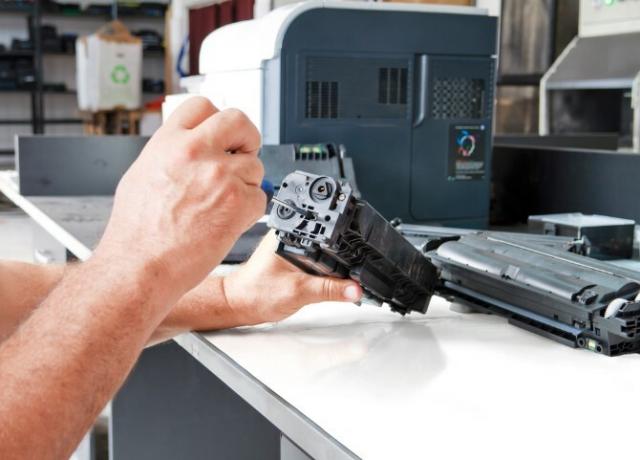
<point x="324" y="229"/>
<point x="539" y="284"/>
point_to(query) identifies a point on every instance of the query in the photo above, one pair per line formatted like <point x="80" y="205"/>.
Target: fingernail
<point x="352" y="293"/>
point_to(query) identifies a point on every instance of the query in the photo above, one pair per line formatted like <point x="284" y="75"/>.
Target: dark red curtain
<point x="204" y="20"/>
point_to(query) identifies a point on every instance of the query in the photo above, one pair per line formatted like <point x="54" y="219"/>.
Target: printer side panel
<point x="241" y="89"/>
<point x="271" y="82"/>
<point x="452" y="143"/>
<point x="328" y="99"/>
<point x="363" y="78"/>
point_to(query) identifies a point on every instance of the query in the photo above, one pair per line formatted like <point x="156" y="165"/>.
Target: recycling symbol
<point x="120" y="74"/>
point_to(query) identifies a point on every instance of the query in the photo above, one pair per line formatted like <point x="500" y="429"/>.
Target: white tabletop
<point x="444" y="386"/>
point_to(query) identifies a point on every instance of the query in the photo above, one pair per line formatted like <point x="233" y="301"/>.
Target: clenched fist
<point x="194" y="189"/>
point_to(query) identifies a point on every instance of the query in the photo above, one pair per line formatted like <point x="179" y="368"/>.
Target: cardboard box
<point x="109" y="69"/>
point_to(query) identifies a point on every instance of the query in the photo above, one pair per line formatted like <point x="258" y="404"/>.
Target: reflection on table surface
<point x="442" y="385"/>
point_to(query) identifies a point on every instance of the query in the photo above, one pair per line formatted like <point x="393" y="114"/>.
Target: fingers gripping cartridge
<point x="323" y="229"/>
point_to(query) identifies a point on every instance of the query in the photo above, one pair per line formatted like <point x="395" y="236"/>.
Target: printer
<point x="407" y="88"/>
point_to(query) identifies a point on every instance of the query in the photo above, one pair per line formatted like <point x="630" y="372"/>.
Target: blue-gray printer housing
<point x="406" y="93"/>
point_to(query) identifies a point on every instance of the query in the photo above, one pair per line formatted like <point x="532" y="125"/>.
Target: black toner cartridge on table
<point x="324" y="229"/>
<point x="543" y="288"/>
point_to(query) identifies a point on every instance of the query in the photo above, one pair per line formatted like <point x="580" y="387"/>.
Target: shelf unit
<point x="33" y="13"/>
<point x="146" y="10"/>
<point x="532" y="79"/>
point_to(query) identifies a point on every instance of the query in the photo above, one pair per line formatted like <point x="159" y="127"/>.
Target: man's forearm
<point x="75" y="349"/>
<point x="203" y="309"/>
<point x="177" y="211"/>
<point x="24" y="286"/>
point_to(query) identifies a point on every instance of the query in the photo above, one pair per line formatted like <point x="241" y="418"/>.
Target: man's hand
<point x="268" y="288"/>
<point x="177" y="212"/>
<point x="192" y="192"/>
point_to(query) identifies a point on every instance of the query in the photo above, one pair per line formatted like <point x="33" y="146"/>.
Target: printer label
<point x="466" y="152"/>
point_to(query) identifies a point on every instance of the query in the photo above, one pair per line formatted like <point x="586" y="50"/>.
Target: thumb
<point x="325" y="288"/>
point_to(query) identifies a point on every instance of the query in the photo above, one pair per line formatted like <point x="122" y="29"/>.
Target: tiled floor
<point x="7" y="162"/>
<point x="16" y="234"/>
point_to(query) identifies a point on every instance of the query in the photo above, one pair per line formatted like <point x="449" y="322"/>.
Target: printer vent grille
<point x="321" y="99"/>
<point x="457" y="98"/>
<point x="392" y="85"/>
